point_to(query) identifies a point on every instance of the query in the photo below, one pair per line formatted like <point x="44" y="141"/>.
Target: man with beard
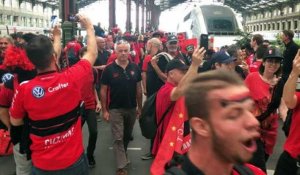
<point x="222" y="126"/>
<point x="172" y="46"/>
<point x="153" y="76"/>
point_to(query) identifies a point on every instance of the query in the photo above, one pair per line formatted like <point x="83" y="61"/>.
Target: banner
<point x="188" y="45"/>
<point x="176" y="139"/>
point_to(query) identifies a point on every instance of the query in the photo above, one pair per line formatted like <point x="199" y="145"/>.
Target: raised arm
<point x="289" y="89"/>
<point x="91" y="53"/>
<point x="56" y="32"/>
<point x="197" y="58"/>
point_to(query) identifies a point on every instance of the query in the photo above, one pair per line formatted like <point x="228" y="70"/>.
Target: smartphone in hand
<point x="73" y="18"/>
<point x="204" y="41"/>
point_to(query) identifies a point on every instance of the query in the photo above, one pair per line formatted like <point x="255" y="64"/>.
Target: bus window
<point x="187" y="17"/>
<point x="221" y="25"/>
<point x="219" y="20"/>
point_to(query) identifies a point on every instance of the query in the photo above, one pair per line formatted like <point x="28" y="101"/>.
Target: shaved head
<point x="155" y="41"/>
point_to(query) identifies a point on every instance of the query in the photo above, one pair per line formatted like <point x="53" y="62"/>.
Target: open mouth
<point x="250" y="145"/>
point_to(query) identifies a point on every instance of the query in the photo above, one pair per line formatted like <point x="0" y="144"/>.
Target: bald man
<point x="153" y="75"/>
<point x="101" y="60"/>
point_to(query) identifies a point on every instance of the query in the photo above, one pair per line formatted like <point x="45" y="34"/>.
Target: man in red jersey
<point x="222" y="126"/>
<point x="50" y="105"/>
<point x="178" y="74"/>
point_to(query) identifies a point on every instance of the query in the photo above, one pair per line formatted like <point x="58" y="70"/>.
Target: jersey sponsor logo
<point x="6" y="77"/>
<point x="59" y="138"/>
<point x="132" y="73"/>
<point x="115" y="75"/>
<point x="58" y="87"/>
<point x="38" y="92"/>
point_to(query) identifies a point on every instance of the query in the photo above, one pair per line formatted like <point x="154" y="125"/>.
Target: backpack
<point x="147" y="120"/>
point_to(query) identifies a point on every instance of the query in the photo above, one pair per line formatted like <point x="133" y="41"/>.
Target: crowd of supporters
<point x="111" y="73"/>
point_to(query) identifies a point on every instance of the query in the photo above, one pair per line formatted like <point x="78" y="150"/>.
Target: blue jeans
<point x="80" y="167"/>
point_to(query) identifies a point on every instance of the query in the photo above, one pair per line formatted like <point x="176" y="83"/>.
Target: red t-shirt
<point x="260" y="92"/>
<point x="6" y="96"/>
<point x="163" y="101"/>
<point x="147" y="59"/>
<point x="137" y="49"/>
<point x="249" y="59"/>
<point x="292" y="144"/>
<point x="88" y="92"/>
<point x="47" y="96"/>
<point x="73" y="44"/>
<point x="254" y="67"/>
<point x="112" y="58"/>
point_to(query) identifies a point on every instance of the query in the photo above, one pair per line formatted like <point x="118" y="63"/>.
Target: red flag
<point x="188" y="44"/>
<point x="176" y="139"/>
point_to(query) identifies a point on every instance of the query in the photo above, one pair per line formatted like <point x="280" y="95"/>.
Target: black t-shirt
<point x="102" y="58"/>
<point x="122" y="85"/>
<point x="186" y="167"/>
<point x="154" y="83"/>
<point x="189" y="168"/>
<point x="289" y="55"/>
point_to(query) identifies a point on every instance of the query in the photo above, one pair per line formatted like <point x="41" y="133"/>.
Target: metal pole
<point x="128" y="20"/>
<point x="137" y="21"/>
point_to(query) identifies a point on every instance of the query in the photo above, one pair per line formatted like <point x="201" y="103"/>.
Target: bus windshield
<point x="219" y="20"/>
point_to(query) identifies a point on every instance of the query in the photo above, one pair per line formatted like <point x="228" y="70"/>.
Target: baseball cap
<point x="222" y="57"/>
<point x="157" y="34"/>
<point x="172" y="39"/>
<point x="273" y="53"/>
<point x="176" y="64"/>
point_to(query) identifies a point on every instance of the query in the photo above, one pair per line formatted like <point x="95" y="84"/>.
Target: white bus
<point x="218" y="21"/>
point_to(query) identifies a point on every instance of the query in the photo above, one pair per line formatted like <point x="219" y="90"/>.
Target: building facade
<point x="26" y="15"/>
<point x="270" y="21"/>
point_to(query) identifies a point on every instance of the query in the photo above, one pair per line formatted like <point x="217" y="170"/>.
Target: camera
<point x="73" y="18"/>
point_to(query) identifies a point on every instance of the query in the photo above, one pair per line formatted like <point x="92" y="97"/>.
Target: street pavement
<point x="105" y="162"/>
